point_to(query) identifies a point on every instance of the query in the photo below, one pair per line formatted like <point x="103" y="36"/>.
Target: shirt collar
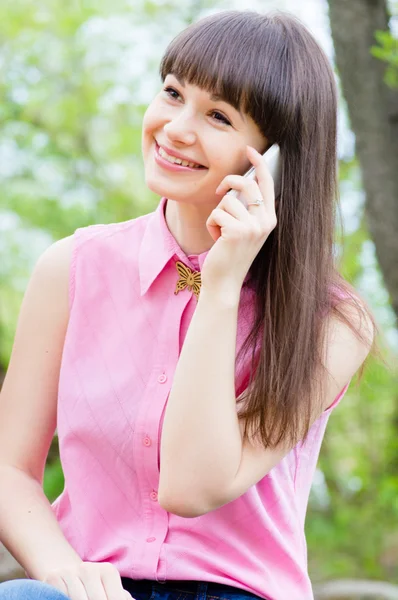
<point x="159" y="246"/>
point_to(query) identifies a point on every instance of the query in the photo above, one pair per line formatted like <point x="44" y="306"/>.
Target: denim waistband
<point x="183" y="585"/>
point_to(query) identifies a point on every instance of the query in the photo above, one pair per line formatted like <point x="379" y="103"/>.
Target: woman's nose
<point x="180" y="129"/>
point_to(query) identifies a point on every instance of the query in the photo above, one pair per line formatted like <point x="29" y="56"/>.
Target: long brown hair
<point x="271" y="67"/>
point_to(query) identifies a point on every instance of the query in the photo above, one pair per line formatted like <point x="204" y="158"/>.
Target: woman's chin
<point x="167" y="190"/>
<point x="155" y="186"/>
<point x="165" y="186"/>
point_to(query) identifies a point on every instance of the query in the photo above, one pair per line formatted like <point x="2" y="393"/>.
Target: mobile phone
<point x="273" y="159"/>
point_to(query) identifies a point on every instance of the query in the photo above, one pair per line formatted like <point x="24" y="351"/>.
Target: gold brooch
<point x="188" y="279"/>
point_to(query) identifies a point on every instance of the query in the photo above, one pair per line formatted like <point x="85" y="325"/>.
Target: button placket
<point x="167" y="353"/>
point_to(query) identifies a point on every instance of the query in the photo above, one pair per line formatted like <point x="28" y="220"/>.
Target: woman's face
<point x="186" y="122"/>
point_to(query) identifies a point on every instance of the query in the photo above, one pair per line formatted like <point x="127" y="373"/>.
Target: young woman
<point x="190" y="358"/>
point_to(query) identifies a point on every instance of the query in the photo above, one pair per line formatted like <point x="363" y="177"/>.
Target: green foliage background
<point x="75" y="79"/>
<point x="386" y="48"/>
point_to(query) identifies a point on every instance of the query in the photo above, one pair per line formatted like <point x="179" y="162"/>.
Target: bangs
<point x="220" y="54"/>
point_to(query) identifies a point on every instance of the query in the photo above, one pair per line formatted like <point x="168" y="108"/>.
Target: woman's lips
<point x="173" y="166"/>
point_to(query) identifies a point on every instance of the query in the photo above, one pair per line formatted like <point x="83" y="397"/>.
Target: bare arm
<point x="28" y="416"/>
<point x="28" y="407"/>
<point x="201" y="444"/>
<point x="204" y="463"/>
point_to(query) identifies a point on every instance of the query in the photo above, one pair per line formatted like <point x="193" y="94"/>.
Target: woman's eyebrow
<point x="213" y="97"/>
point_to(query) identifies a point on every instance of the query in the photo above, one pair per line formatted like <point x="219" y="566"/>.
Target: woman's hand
<point x="239" y="232"/>
<point x="89" y="581"/>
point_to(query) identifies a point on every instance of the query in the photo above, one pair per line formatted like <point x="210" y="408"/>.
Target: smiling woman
<point x="190" y="358"/>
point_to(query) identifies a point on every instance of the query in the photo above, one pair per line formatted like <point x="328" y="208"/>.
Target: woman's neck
<point x="187" y="224"/>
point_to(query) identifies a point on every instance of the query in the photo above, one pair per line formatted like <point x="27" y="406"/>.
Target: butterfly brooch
<point x="188" y="279"/>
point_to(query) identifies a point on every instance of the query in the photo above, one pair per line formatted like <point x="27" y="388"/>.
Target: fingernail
<point x="254" y="150"/>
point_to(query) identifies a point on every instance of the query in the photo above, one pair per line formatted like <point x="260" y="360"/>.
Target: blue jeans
<point x="143" y="589"/>
<point x="29" y="589"/>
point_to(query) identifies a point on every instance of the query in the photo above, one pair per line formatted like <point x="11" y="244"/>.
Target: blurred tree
<point x="373" y="110"/>
<point x="358" y="513"/>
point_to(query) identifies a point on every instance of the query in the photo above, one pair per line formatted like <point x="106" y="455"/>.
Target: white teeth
<point x="178" y="161"/>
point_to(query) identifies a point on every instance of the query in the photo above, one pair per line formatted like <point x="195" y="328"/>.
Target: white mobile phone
<point x="272" y="157"/>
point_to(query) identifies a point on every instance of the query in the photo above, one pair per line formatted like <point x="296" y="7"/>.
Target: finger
<point x="234" y="207"/>
<point x="261" y="188"/>
<point x="93" y="585"/>
<point x="263" y="213"/>
<point x="236" y="182"/>
<point x="251" y="192"/>
<point x="75" y="588"/>
<point x="263" y="175"/>
<point x="112" y="583"/>
<point x="220" y="221"/>
<point x="57" y="582"/>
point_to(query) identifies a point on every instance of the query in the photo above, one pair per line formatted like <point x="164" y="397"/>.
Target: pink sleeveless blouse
<point x="124" y="337"/>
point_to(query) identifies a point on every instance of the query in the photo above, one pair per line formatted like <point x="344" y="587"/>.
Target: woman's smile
<point x="173" y="162"/>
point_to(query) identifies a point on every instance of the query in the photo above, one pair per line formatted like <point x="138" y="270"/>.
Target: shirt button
<point x="153" y="496"/>
<point x="147" y="441"/>
<point x="151" y="539"/>
<point x="162" y="378"/>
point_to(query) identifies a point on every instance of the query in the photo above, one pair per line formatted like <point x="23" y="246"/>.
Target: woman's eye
<point x="170" y="91"/>
<point x="222" y="118"/>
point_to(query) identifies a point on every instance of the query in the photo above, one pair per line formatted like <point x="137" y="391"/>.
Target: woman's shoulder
<point x="106" y="235"/>
<point x="54" y="262"/>
<point x="350" y="318"/>
<point x="345" y="300"/>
